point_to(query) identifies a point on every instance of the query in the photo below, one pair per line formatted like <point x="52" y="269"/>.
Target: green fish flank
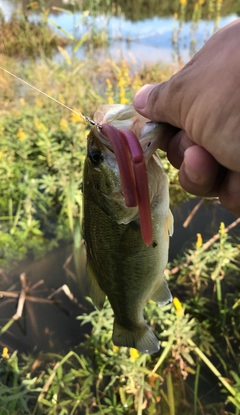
<point x="119" y="264"/>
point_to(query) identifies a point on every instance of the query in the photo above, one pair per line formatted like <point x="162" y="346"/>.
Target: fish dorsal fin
<point x="161" y="293"/>
<point x="96" y="293"/>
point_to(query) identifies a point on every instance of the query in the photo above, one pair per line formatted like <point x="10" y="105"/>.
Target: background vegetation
<point x="42" y="150"/>
<point x="141" y="9"/>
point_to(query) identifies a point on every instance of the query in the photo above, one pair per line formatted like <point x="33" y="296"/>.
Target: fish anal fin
<point x="168" y="227"/>
<point x="161" y="293"/>
<point x="170" y="223"/>
<point x="96" y="293"/>
<point x="141" y="338"/>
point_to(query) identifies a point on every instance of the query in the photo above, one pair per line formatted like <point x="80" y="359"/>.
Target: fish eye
<point x="95" y="156"/>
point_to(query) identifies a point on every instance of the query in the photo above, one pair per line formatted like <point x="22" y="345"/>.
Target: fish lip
<point x="101" y="137"/>
<point x="106" y="145"/>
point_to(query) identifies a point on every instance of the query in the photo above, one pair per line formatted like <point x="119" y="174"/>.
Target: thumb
<point x="158" y="103"/>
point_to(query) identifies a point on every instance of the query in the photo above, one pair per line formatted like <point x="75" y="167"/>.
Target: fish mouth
<point x="132" y="154"/>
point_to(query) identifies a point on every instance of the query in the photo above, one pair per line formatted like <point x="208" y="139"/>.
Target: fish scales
<point x="119" y="264"/>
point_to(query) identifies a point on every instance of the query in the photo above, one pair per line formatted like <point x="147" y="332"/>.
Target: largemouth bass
<point x="126" y="260"/>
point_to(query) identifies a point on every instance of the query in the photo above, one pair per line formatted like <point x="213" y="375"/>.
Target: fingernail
<point x="234" y="183"/>
<point x="141" y="96"/>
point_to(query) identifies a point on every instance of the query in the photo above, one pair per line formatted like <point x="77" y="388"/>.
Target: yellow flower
<point x="61" y="99"/>
<point x="115" y="349"/>
<point x="134" y="354"/>
<point x="109" y="84"/>
<point x="110" y="100"/>
<point x="123" y="99"/>
<point x="109" y="92"/>
<point x="75" y="117"/>
<point x="175" y="16"/>
<point x="38" y="103"/>
<point x="63" y="124"/>
<point x="183" y="2"/>
<point x="32" y="5"/>
<point x="136" y="83"/>
<point x="178" y="306"/>
<point x="21" y="134"/>
<point x="222" y="228"/>
<point x="122" y="93"/>
<point x="5" y="353"/>
<point x="125" y="72"/>
<point x="22" y="101"/>
<point x="199" y="241"/>
<point x="2" y="154"/>
<point x="45" y="15"/>
<point x="39" y="125"/>
<point x="123" y="82"/>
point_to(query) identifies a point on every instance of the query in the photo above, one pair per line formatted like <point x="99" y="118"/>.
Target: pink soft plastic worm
<point x="141" y="181"/>
<point x="133" y="174"/>
<point x="124" y="164"/>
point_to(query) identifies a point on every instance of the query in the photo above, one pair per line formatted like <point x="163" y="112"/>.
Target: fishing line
<point x="84" y="117"/>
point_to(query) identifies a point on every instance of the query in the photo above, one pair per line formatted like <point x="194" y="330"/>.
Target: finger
<point x="141" y="98"/>
<point x="229" y="193"/>
<point x="177" y="147"/>
<point x="200" y="174"/>
<point x="158" y="102"/>
<point x="165" y="137"/>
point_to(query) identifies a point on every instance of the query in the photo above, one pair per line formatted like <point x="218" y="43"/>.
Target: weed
<point x="23" y="38"/>
<point x="42" y="149"/>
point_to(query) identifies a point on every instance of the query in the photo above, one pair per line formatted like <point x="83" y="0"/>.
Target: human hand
<point x="203" y="100"/>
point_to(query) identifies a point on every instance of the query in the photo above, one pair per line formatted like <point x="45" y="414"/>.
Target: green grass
<point x="23" y="38"/>
<point x="100" y="378"/>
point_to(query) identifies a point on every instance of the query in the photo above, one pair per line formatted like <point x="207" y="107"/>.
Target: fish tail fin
<point x="140" y="337"/>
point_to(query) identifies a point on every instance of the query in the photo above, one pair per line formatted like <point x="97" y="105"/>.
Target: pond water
<point x="47" y="322"/>
<point x="145" y="41"/>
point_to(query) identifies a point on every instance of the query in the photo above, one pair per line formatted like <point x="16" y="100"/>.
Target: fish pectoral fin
<point x="141" y="338"/>
<point x="161" y="293"/>
<point x="96" y="293"/>
<point x="170" y="223"/>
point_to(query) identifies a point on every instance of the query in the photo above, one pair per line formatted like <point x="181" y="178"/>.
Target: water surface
<point x="149" y="40"/>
